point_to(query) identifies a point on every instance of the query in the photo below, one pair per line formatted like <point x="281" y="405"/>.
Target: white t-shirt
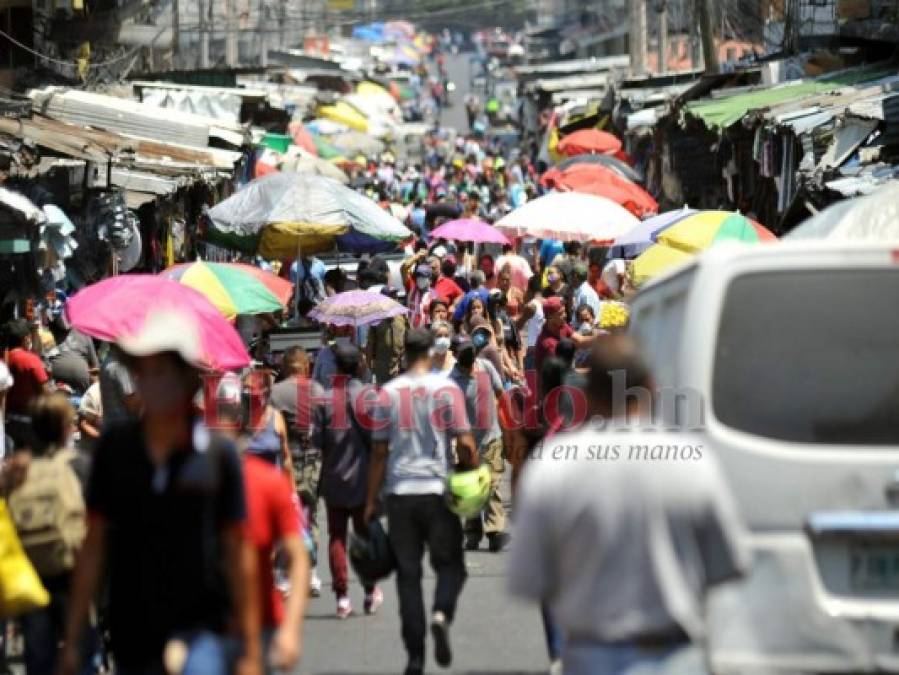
<point x="420" y="415"/>
<point x="622" y="532"/>
<point x="534" y="325"/>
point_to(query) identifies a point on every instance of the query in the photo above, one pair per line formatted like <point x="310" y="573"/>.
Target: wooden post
<point x="706" y="26"/>
<point x="663" y="37"/>
<point x="638" y="36"/>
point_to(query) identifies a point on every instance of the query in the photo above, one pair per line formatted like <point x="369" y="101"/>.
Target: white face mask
<point x="441" y="345"/>
<point x="423" y="283"/>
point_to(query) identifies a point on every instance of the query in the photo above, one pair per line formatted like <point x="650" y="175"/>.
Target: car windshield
<point x="811" y="356"/>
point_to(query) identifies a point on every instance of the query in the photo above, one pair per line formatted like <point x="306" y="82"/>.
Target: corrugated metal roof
<point x="575" y="66"/>
<point x="573" y="82"/>
<point x="728" y="110"/>
<point x="130" y="117"/>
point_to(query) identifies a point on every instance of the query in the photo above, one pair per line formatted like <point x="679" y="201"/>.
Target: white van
<point x="794" y="351"/>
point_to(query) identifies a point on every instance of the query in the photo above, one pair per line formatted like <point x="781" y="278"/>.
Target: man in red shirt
<point x="445" y="287"/>
<point x="273" y="520"/>
<point x="29" y="380"/>
<point x="554" y="330"/>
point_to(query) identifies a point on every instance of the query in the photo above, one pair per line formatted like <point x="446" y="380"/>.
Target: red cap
<point x="552" y="305"/>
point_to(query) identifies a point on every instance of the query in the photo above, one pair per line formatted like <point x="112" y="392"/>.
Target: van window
<point x="811" y="356"/>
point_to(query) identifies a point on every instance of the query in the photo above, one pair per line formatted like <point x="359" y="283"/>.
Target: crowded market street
<point x="343" y="340"/>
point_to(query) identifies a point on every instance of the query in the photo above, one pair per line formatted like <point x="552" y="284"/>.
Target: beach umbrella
<point x="874" y="217"/>
<point x="610" y="161"/>
<point x="325" y="127"/>
<point x="569" y="216"/>
<point x="324" y="148"/>
<point x="642" y="237"/>
<point x="701" y="230"/>
<point x="599" y="180"/>
<point x="119" y="306"/>
<point x="234" y="288"/>
<point x="469" y="229"/>
<point x="356" y="308"/>
<point x="587" y="141"/>
<point x="655" y="260"/>
<point x="278" y="215"/>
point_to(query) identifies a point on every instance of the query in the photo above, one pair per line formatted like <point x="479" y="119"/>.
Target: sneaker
<point x="344" y="608"/>
<point x="440" y="632"/>
<point x="498" y="541"/>
<point x="315" y="584"/>
<point x="472" y="542"/>
<point x="555" y="668"/>
<point x="373" y="600"/>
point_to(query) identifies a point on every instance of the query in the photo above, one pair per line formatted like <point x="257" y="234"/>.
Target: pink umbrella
<point x="118" y="307"/>
<point x="470" y="229"/>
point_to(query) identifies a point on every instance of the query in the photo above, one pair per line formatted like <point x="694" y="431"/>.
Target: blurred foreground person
<point x="622" y="549"/>
<point x="419" y="414"/>
<point x="274" y="526"/>
<point x="166" y="513"/>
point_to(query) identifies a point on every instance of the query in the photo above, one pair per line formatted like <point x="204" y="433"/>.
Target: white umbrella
<point x="569" y="216"/>
<point x="871" y="218"/>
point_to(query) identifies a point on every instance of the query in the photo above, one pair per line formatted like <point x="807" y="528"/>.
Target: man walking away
<point x="418" y="415"/>
<point x="166" y="513"/>
<point x="345" y="447"/>
<point x="482" y="386"/>
<point x="628" y="590"/>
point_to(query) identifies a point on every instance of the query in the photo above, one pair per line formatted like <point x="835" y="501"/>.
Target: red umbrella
<point x="588" y="141"/>
<point x="302" y="137"/>
<point x="599" y="180"/>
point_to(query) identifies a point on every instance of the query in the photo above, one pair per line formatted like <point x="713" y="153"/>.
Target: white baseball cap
<point x="166" y="330"/>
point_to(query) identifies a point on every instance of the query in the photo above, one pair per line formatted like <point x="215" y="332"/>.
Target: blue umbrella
<point x="643" y="236"/>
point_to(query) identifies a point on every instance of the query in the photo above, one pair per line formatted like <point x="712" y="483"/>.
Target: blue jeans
<point x="629" y="659"/>
<point x="207" y="654"/>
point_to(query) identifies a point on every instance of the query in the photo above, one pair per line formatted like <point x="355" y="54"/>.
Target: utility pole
<point x="709" y="51"/>
<point x="176" y="34"/>
<point x="638" y="36"/>
<point x="230" y="35"/>
<point x="663" y="37"/>
<point x="202" y="7"/>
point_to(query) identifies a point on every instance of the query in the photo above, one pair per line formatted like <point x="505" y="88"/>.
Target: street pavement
<point x="458" y="68"/>
<point x="493" y="633"/>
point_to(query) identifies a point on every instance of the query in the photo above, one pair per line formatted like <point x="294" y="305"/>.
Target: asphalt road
<point x="492" y="633"/>
<point x="458" y="69"/>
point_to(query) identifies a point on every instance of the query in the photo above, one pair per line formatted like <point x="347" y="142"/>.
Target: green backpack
<point x="49" y="513"/>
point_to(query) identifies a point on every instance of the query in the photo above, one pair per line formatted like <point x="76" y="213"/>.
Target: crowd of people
<point x="184" y="528"/>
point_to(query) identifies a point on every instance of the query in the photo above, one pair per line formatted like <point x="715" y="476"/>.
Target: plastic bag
<point x="21" y="589"/>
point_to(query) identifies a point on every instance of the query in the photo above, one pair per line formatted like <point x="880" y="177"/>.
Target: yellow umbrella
<point x="346" y="114"/>
<point x="655" y="260"/>
<point x="367" y="88"/>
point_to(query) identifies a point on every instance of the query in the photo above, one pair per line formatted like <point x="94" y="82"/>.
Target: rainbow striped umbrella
<point x="234" y="288"/>
<point x="701" y="230"/>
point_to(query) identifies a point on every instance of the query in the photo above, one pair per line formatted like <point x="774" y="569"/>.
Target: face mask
<point x="586" y="328"/>
<point x="342" y="341"/>
<point x="423" y="283"/>
<point x="480" y="340"/>
<point x="552" y="278"/>
<point x="441" y="345"/>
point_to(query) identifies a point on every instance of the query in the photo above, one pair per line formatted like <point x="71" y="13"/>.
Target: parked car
<point x="792" y="351"/>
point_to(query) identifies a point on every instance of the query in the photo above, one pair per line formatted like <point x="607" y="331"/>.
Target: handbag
<point x="21" y="589"/>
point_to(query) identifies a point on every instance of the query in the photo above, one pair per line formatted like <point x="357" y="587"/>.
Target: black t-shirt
<point x="164" y="536"/>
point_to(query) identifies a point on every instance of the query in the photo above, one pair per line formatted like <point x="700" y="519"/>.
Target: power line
<point x="74" y="64"/>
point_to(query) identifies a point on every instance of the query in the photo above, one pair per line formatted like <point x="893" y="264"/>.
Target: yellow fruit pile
<point x="614" y="315"/>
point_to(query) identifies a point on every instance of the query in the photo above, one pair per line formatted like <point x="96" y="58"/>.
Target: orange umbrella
<point x="589" y="141"/>
<point x="599" y="180"/>
<point x="302" y="137"/>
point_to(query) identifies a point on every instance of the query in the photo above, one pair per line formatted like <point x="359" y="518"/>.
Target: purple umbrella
<point x="470" y="229"/>
<point x="356" y="308"/>
<point x="644" y="235"/>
